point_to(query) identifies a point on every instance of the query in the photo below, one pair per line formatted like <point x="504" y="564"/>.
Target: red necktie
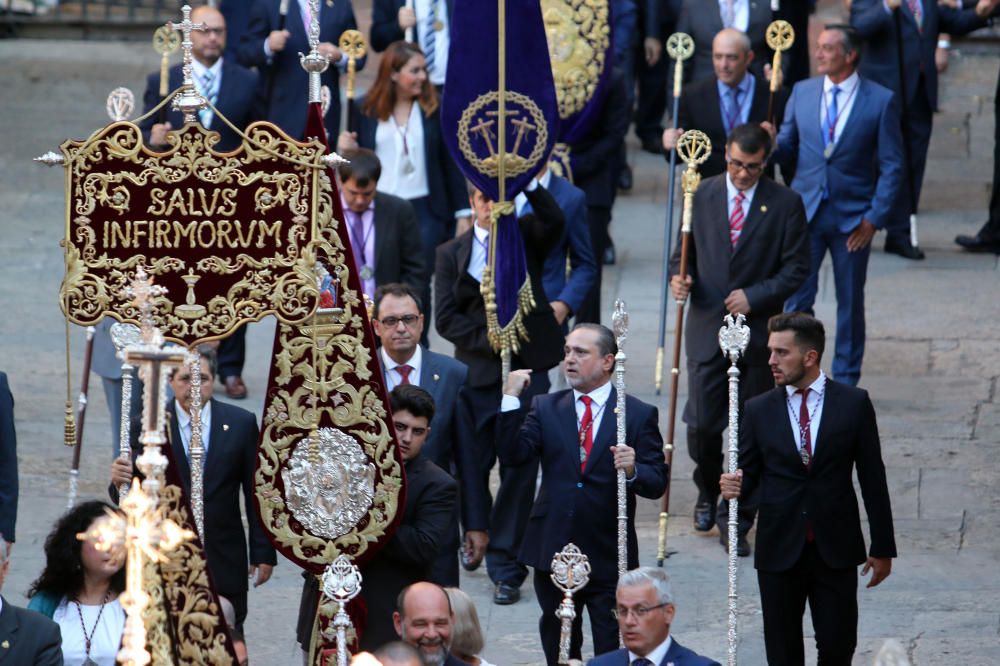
<point x="736" y="219"/>
<point x="586" y="431"/>
<point x="404" y="373"/>
<point x="805" y="427"/>
<point x="918" y="13"/>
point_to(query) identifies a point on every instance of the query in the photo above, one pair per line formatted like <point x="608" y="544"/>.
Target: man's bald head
<point x="208" y="44"/>
<point x="732" y="54"/>
<point x="423" y="619"/>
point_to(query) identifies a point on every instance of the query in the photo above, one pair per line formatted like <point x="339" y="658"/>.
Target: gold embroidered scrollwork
<point x="579" y="34"/>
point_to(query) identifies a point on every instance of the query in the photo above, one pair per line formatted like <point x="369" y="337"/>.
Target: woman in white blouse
<point x="79" y="589"/>
<point x="399" y="119"/>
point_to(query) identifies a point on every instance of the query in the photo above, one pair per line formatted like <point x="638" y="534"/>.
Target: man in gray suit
<point x="399" y="321"/>
<point x="703" y="19"/>
<point x="26" y="637"/>
<point x="749" y="251"/>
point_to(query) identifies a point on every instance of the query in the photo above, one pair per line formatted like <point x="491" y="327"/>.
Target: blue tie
<point x="733" y="116"/>
<point x="642" y="662"/>
<point x="831" y="117"/>
<point x="429" y="36"/>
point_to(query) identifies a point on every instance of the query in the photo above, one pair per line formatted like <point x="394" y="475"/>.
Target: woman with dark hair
<point x="79" y="589"/>
<point x="399" y="119"/>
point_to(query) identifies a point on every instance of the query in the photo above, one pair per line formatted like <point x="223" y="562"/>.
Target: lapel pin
<point x="436" y="376"/>
<point x="763" y="209"/>
<point x="225" y="427"/>
<point x="5" y="644"/>
<point x="329" y="3"/>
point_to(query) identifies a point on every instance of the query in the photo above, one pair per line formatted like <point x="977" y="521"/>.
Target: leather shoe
<point x="235" y="388"/>
<point x="625" y="178"/>
<point x="468" y="563"/>
<point x="742" y="545"/>
<point x="903" y="248"/>
<point x="505" y="594"/>
<point x="978" y="243"/>
<point x="704" y="516"/>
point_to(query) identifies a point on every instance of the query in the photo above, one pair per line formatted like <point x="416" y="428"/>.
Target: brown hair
<point x="381" y="98"/>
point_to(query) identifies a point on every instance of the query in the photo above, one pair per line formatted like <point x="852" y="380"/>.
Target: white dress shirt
<point x="106" y="625"/>
<point x="656" y="656"/>
<point x="390" y="145"/>
<point x="731" y="193"/>
<point x="814" y="405"/>
<point x="845" y="102"/>
<point x="392" y="376"/>
<point x="599" y="397"/>
<point x="184" y="425"/>
<point x="442" y="37"/>
<point x="480" y="248"/>
<point x="741" y="14"/>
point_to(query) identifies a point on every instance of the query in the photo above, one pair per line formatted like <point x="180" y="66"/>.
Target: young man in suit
<point x="398" y="320"/>
<point x="645" y="610"/>
<point x="461" y="319"/>
<point x="850" y="167"/>
<point x="572" y="433"/>
<point x="800" y="445"/>
<point x="407" y="558"/>
<point x="27" y="637"/>
<point x="749" y="251"/>
<point x="703" y="19"/>
<point x="232" y="90"/>
<point x="424" y="619"/>
<point x="274" y="52"/>
<point x="229" y="438"/>
<point x="920" y="22"/>
<point x="384" y="233"/>
<point x="733" y="97"/>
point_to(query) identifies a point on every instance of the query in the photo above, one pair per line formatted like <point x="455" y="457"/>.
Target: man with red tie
<point x="573" y="434"/>
<point x="800" y="445"/>
<point x="749" y="251"/>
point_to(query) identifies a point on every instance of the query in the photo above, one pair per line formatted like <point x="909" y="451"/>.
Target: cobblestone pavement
<point x="932" y="368"/>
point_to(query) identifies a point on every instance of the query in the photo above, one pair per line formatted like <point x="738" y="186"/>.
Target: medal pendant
<point x="438" y="26"/>
<point x="806" y="458"/>
<point x="583" y="455"/>
<point x="408" y="167"/>
<point x="828" y="151"/>
<point x="366" y="273"/>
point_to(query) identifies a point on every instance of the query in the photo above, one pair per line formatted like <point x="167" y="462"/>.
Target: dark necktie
<point x="642" y="661"/>
<point x="805" y="427"/>
<point x="404" y="373"/>
<point x="358" y="238"/>
<point x="586" y="431"/>
<point x="736" y="219"/>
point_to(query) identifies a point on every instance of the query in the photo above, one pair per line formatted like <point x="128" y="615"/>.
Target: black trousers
<point x="232" y="353"/>
<point x="991" y="230"/>
<point x="833" y="601"/>
<point x="919" y="117"/>
<point x="651" y="100"/>
<point x="598" y="219"/>
<point x="598" y="597"/>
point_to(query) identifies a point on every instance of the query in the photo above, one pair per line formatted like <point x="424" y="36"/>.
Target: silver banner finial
<point x="341" y="581"/>
<point x="189" y="101"/>
<point x="570" y="573"/>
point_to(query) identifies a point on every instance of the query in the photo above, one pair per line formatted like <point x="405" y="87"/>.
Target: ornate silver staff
<point x="315" y="63"/>
<point x="188" y="101"/>
<point x="570" y="573"/>
<point x="81" y="413"/>
<point x="780" y="37"/>
<point x="124" y="336"/>
<point x="734" y="337"/>
<point x="341" y="582"/>
<point x="620" y="322"/>
<point x="196" y="452"/>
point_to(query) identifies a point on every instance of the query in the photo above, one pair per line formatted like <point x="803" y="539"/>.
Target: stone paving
<point x="932" y="368"/>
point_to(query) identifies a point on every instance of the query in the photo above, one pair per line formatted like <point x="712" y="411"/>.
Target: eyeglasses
<point x="752" y="169"/>
<point x="213" y="31"/>
<point x="408" y="321"/>
<point x="622" y="613"/>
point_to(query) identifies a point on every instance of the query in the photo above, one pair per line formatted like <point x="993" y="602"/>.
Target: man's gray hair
<point x="649" y="576"/>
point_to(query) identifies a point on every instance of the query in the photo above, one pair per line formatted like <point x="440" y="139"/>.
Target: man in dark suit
<point x="431" y="504"/>
<point x="229" y="438"/>
<point x="733" y="97"/>
<point x="849" y="172"/>
<point x="645" y="610"/>
<point x="26" y="637"/>
<point x="703" y="19"/>
<point x="232" y="89"/>
<point x="384" y="233"/>
<point x="987" y="239"/>
<point x="800" y="444"/>
<point x="920" y="21"/>
<point x="430" y="21"/>
<point x="275" y="52"/>
<point x="749" y="251"/>
<point x="8" y="464"/>
<point x="461" y="319"/>
<point x="425" y="620"/>
<point x="657" y="19"/>
<point x="398" y="320"/>
<point x="566" y="295"/>
<point x="572" y="433"/>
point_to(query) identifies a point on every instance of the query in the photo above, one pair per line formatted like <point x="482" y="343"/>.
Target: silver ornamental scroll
<point x="734" y="337"/>
<point x="620" y="322"/>
<point x="196" y="449"/>
<point x="570" y="573"/>
<point x="124" y="336"/>
<point x="341" y="581"/>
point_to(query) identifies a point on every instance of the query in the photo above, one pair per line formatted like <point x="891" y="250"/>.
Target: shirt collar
<point x="817" y="386"/>
<point x="413" y="361"/>
<point x="846" y="86"/>
<point x="656" y="656"/>
<point x="200" y="69"/>
<point x="481" y="234"/>
<point x="343" y="203"/>
<point x="599" y="395"/>
<point x="731" y="190"/>
<point x="743" y="86"/>
<point x="183" y="418"/>
<point x="545" y="179"/>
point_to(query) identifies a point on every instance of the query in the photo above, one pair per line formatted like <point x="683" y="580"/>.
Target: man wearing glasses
<point x="749" y="251"/>
<point x="645" y="610"/>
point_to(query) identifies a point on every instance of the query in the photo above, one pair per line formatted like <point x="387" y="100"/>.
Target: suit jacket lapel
<point x="223" y="95"/>
<point x="714" y="117"/>
<point x="381" y="223"/>
<point x="785" y="425"/>
<point x="812" y="131"/>
<point x="464" y="252"/>
<point x="8" y="629"/>
<point x="761" y="93"/>
<point x="756" y="214"/>
<point x="217" y="433"/>
<point x="829" y="397"/>
<point x="177" y="446"/>
<point x="569" y="428"/>
<point x="857" y="115"/>
<point x="429" y="377"/>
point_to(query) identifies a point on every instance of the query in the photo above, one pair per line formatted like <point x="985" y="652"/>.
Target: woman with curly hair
<point x="79" y="589"/>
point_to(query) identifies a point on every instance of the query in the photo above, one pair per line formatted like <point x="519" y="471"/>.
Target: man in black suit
<point x="749" y="251"/>
<point x="987" y="239"/>
<point x="425" y="620"/>
<point x="733" y="97"/>
<point x="572" y="433"/>
<point x="800" y="444"/>
<point x="384" y="232"/>
<point x="461" y="319"/>
<point x="398" y="320"/>
<point x="8" y="464"/>
<point x="229" y="438"/>
<point x="431" y="504"/>
<point x="26" y="637"/>
<point x="232" y="90"/>
<point x="703" y="19"/>
<point x="430" y="21"/>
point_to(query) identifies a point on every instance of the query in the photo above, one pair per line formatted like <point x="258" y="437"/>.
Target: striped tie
<point x="429" y="36"/>
<point x="918" y="13"/>
<point x="208" y="92"/>
<point x="736" y="218"/>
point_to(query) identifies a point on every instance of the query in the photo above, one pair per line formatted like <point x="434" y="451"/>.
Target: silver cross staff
<point x="315" y="63"/>
<point x="341" y="582"/>
<point x="570" y="573"/>
<point x="620" y="322"/>
<point x="124" y="336"/>
<point x="734" y="337"/>
<point x="189" y="101"/>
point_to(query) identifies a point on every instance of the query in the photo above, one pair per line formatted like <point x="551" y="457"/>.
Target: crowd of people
<point x="850" y="144"/>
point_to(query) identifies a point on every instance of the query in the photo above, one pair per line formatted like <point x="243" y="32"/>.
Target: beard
<point x="433" y="651"/>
